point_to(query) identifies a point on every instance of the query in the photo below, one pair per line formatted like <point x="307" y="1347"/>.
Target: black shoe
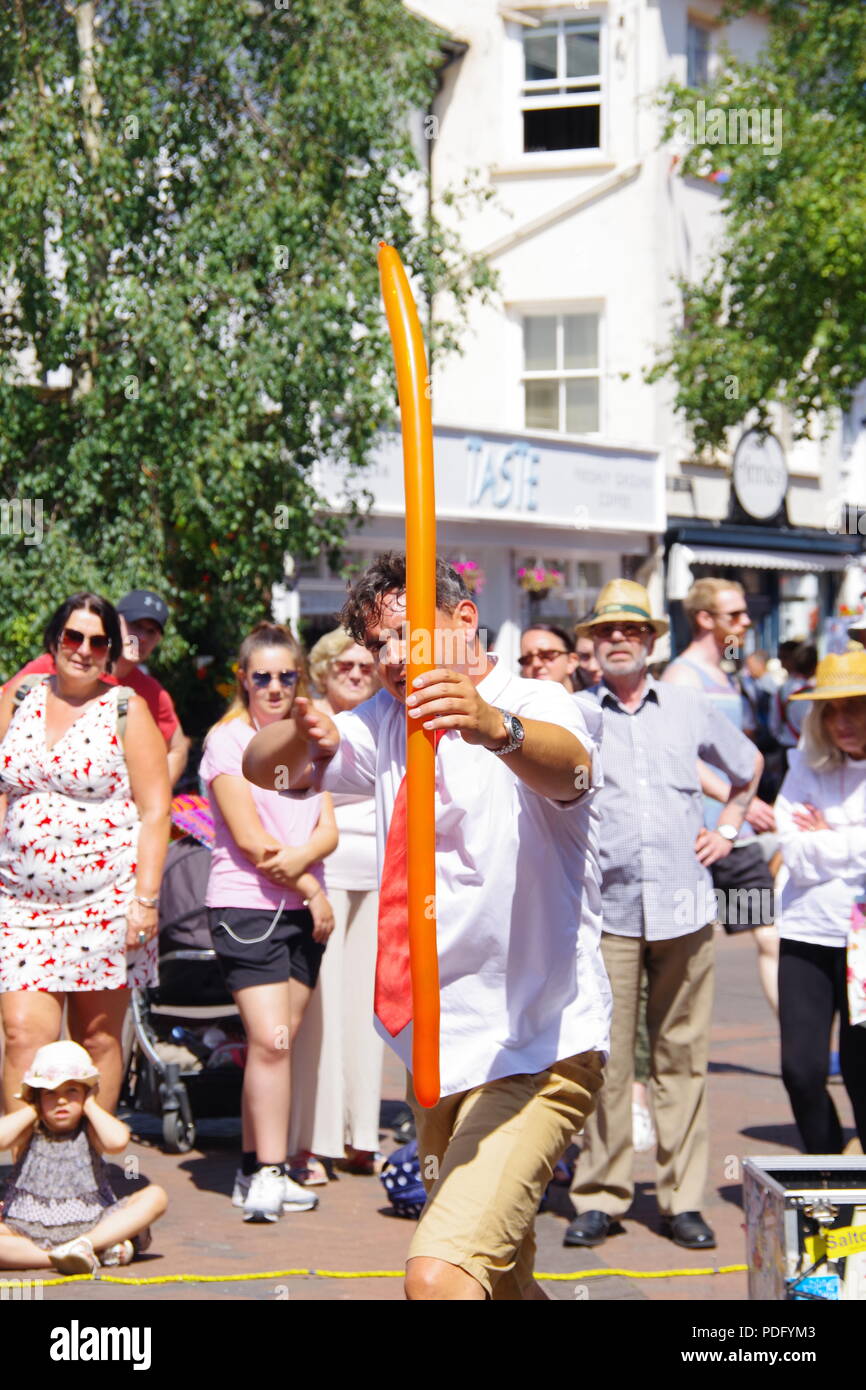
<point x="690" y="1230"/>
<point x="590" y="1228"/>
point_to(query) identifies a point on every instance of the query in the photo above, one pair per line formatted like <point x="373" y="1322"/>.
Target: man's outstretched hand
<point x="318" y="728"/>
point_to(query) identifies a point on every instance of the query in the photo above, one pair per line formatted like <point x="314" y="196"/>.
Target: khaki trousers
<point x="486" y="1156"/>
<point x="679" y="1009"/>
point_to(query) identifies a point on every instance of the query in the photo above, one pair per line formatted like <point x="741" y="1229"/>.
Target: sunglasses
<point x="71" y="639"/>
<point x="262" y="679"/>
<point x="631" y="631"/>
<point x="345" y="668"/>
<point x="734" y="613"/>
<point x="549" y="654"/>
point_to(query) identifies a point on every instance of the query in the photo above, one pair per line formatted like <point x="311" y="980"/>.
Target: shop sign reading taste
<point x="760" y="474"/>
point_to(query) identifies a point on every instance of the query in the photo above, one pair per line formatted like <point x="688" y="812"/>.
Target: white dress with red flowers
<point x="67" y="854"/>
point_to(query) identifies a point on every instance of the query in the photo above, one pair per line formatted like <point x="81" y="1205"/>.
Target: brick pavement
<point x="353" y="1230"/>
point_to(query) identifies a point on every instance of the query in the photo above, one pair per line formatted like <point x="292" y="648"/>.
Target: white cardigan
<point x="826" y="868"/>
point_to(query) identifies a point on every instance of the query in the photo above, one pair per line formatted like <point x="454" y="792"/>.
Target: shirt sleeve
<point x="723" y="746"/>
<point x="581" y="714"/>
<point x="223" y="753"/>
<point x="353" y="767"/>
<point x="814" y="856"/>
<point x="167" y="718"/>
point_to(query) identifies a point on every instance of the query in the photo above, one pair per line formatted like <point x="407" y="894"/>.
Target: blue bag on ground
<point x="401" y="1177"/>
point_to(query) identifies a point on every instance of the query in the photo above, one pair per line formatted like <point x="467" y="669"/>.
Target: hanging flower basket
<point x="472" y="575"/>
<point x="538" y="581"/>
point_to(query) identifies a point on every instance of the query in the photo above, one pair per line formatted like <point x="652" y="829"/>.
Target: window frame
<point x="556" y="94"/>
<point x="698" y="25"/>
<point x="561" y="374"/>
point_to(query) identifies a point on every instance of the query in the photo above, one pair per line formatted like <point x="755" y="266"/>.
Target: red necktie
<point x="393" y="997"/>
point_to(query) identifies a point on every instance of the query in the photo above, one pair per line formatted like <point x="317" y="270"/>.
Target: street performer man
<point x="525" y="1000"/>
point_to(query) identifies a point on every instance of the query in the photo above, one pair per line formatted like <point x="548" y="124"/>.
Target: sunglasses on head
<point x="547" y="654"/>
<point x="71" y="639"/>
<point x="262" y="679"/>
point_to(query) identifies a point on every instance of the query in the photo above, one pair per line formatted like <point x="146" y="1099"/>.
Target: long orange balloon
<point x="410" y="361"/>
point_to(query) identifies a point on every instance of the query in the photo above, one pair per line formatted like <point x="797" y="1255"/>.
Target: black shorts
<point x="265" y="947"/>
<point x="745" y="897"/>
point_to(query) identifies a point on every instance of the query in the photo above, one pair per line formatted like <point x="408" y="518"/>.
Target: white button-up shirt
<point x="826" y="868"/>
<point x="518" y="896"/>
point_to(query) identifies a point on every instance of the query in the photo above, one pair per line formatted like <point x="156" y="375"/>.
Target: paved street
<point x="353" y="1231"/>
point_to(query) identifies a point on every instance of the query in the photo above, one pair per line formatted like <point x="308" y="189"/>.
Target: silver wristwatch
<point x="728" y="832"/>
<point x="515" y="731"/>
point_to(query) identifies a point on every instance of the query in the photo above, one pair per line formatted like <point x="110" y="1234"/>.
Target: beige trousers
<point x="679" y="1009"/>
<point x="337" y="1061"/>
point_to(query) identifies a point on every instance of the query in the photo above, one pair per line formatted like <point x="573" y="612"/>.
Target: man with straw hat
<point x="658" y="916"/>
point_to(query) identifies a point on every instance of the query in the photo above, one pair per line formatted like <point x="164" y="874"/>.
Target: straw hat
<point x="839" y="677"/>
<point x="58" y="1062"/>
<point x="622" y="600"/>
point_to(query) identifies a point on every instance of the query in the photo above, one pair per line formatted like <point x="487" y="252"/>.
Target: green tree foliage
<point x="191" y="193"/>
<point x="782" y="306"/>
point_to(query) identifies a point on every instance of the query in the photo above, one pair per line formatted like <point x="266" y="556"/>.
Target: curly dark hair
<point x="387" y="575"/>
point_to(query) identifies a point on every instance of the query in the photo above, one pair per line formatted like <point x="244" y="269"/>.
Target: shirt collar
<point x="491" y="686"/>
<point x="606" y="696"/>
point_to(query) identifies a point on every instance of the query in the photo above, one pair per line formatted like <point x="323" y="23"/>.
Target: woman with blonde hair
<point x="338" y="1059"/>
<point x="821" y="816"/>
<point x="269" y="915"/>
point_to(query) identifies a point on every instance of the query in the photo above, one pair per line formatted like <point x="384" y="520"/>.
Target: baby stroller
<point x="187" y="1046"/>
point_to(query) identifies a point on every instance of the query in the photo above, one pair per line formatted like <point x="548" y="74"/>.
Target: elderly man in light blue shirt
<point x="658" y="910"/>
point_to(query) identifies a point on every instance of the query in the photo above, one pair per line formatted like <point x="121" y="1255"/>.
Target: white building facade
<point x="551" y="448"/>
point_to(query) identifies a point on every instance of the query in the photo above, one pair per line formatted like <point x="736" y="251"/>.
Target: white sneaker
<point x="241" y="1188"/>
<point x="642" y="1129"/>
<point x="297" y="1198"/>
<point x="264" y="1200"/>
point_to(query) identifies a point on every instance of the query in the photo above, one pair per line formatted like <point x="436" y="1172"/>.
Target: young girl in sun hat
<point x="59" y="1210"/>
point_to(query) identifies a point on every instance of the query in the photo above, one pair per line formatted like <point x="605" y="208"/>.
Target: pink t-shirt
<point x="290" y="817"/>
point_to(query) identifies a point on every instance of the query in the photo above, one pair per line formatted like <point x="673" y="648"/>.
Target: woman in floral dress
<point x="81" y="848"/>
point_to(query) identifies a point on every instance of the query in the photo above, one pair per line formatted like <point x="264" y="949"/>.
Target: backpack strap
<point x="27" y="685"/>
<point x="124" y="695"/>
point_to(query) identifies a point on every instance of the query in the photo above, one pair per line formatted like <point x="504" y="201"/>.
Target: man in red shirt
<point x="143" y="616"/>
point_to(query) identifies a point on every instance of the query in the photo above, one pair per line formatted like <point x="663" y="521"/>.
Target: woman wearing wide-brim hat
<point x="821" y="816"/>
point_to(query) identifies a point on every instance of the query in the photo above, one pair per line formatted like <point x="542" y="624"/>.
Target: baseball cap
<point x="143" y="603"/>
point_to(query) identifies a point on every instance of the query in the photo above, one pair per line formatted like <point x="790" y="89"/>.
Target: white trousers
<point x="337" y="1062"/>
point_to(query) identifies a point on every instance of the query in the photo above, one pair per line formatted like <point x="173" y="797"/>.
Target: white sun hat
<point x="58" y="1062"/>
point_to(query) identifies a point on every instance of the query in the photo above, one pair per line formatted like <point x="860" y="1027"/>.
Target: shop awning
<point x="798" y="561"/>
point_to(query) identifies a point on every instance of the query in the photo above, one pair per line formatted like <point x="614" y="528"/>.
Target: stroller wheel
<point x="178" y="1134"/>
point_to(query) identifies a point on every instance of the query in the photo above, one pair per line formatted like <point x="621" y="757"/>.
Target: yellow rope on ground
<point x="353" y="1274"/>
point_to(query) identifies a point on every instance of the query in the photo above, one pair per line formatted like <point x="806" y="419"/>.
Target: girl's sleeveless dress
<point x="58" y="1190"/>
<point x="67" y="854"/>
